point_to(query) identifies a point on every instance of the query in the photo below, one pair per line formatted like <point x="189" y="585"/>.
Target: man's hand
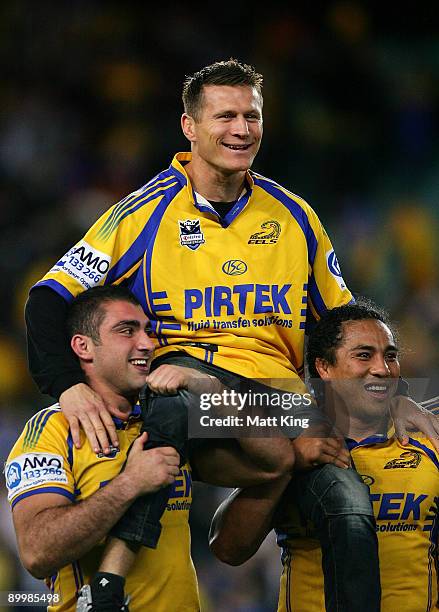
<point x="83" y="407"/>
<point x="148" y="471"/>
<point x="167" y="379"/>
<point x="408" y="415"/>
<point x="312" y="452"/>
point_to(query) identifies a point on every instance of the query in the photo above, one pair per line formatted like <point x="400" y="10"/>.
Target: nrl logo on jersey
<point x="408" y="459"/>
<point x="269" y="235"/>
<point x="191" y="234"/>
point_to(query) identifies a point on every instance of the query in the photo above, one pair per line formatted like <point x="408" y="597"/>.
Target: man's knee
<point x="341" y="492"/>
<point x="330" y="491"/>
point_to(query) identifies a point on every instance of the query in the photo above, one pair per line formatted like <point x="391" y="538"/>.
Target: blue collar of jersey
<point x="205" y="206"/>
<point x="177" y="169"/>
<point x="375" y="439"/>
<point x="134" y="415"/>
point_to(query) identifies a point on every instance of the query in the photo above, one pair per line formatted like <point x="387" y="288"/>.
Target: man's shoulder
<point x="417" y="445"/>
<point x="280" y="192"/>
<point x="431" y="404"/>
<point x="47" y="423"/>
<point x="167" y="182"/>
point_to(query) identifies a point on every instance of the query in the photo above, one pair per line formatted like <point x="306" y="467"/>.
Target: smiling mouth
<point x="236" y="147"/>
<point x="377" y="389"/>
<point x="140" y="363"/>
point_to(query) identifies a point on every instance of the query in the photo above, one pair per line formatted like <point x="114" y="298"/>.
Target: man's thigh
<point x="331" y="491"/>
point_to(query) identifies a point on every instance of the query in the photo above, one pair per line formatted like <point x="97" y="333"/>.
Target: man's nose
<point x="144" y="342"/>
<point x="379" y="366"/>
<point x="240" y="126"/>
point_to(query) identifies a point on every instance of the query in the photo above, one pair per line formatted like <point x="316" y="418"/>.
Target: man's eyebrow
<point x="252" y="111"/>
<point x="367" y="347"/>
<point x="125" y="322"/>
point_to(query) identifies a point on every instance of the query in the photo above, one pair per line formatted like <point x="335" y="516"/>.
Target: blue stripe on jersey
<point x="431" y="404"/>
<point x="32" y="427"/>
<point x="155" y="220"/>
<point x="137" y="250"/>
<point x="52" y="582"/>
<point x="42" y="425"/>
<point x="432" y="555"/>
<point x="57" y="490"/>
<point x="121" y="210"/>
<point x="56" y="286"/>
<point x="137" y="286"/>
<point x="127" y="199"/>
<point x="80" y="574"/>
<point x="236" y="209"/>
<point x="296" y="211"/>
<point x="310" y="322"/>
<point x="427" y="450"/>
<point x="315" y="296"/>
<point x="76" y="577"/>
<point x="70" y="449"/>
<point x="288" y="585"/>
<point x="375" y="439"/>
<point x="180" y="177"/>
<point x="139" y="204"/>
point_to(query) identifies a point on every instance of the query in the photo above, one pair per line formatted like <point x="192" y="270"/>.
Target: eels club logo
<point x="269" y="235"/>
<point x="406" y="460"/>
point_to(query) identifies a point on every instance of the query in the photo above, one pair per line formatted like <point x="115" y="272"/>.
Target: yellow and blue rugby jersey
<point x="432" y="405"/>
<point x="404" y="490"/>
<point x="247" y="285"/>
<point x="44" y="460"/>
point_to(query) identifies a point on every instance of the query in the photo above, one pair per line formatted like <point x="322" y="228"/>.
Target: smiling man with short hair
<point x="354" y="351"/>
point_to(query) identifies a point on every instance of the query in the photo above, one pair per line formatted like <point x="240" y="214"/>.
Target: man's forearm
<point x="271" y="455"/>
<point x="243" y="520"/>
<point x="223" y="463"/>
<point x="61" y="534"/>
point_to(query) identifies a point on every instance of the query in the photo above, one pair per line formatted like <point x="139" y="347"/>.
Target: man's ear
<point x="82" y="346"/>
<point x="322" y="367"/>
<point x="188" y="127"/>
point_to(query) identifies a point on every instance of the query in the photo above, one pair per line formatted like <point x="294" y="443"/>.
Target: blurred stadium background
<point x="91" y="104"/>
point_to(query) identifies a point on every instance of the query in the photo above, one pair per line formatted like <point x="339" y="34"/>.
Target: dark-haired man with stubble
<point x="230" y="267"/>
<point x="65" y="499"/>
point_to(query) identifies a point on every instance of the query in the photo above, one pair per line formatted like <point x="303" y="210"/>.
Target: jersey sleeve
<point x="110" y="251"/>
<point x="41" y="459"/>
<point x="432" y="405"/>
<point x="326" y="286"/>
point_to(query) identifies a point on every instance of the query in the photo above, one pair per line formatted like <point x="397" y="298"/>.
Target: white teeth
<point x="236" y="147"/>
<point x="376" y="388"/>
<point x="139" y="362"/>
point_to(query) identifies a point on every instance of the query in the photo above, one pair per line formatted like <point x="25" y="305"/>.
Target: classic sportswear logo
<point x="368" y="480"/>
<point x="191" y="235"/>
<point x="234" y="267"/>
<point x="408" y="459"/>
<point x="270" y="234"/>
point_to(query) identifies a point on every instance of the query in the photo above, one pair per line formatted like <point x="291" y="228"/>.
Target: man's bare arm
<point x="243" y="520"/>
<point x="260" y="460"/>
<point x="53" y="532"/>
<point x="223" y="463"/>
